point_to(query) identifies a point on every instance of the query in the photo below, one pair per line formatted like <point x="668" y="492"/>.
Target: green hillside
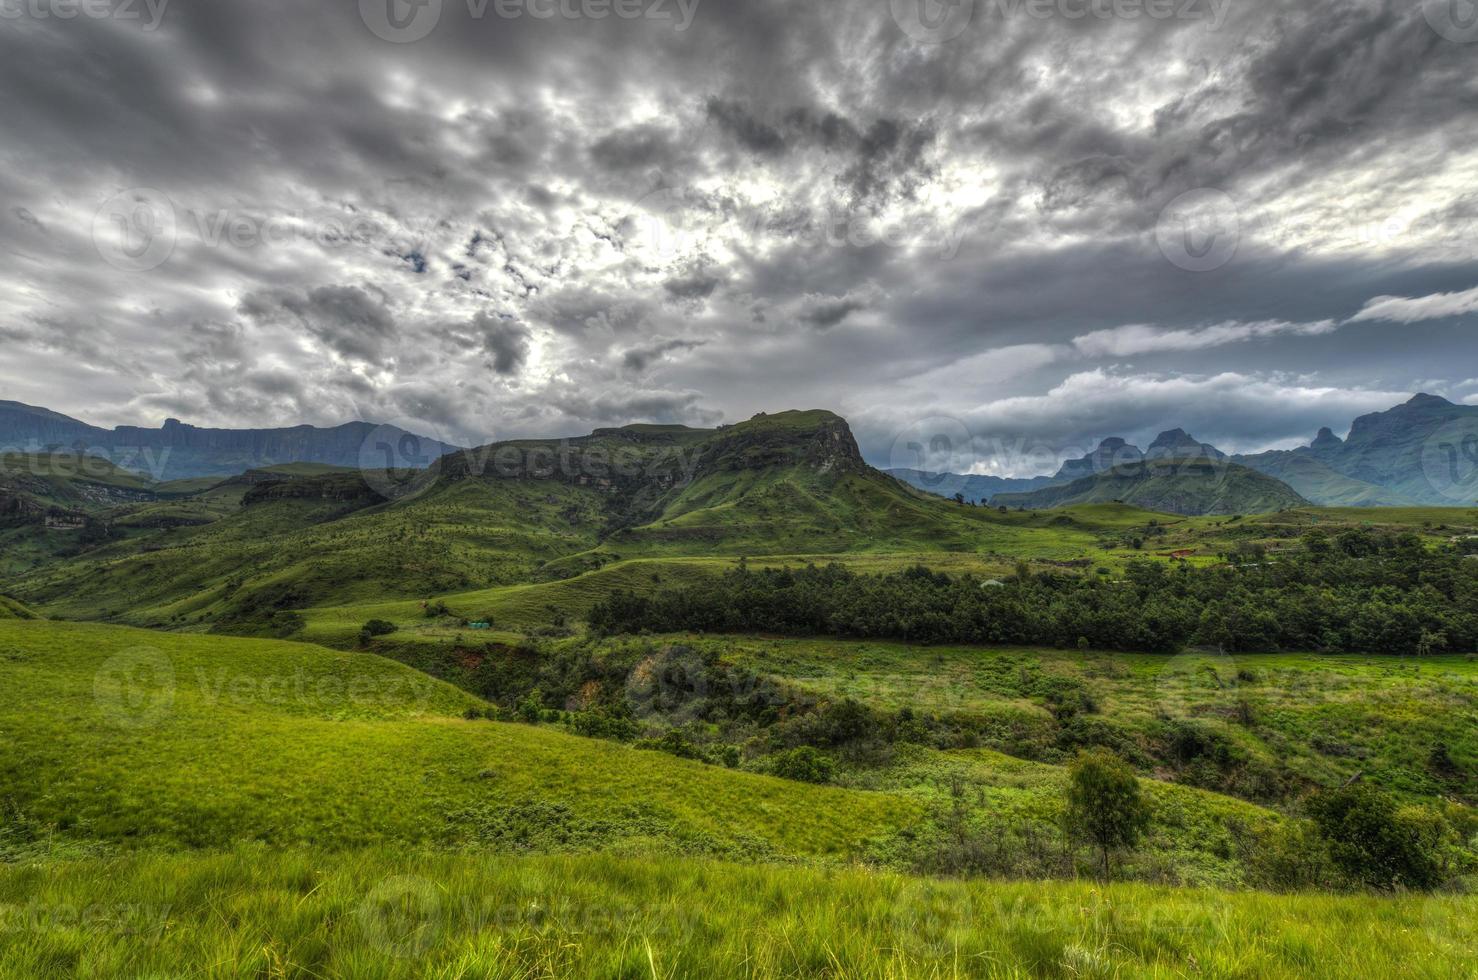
<point x="137" y="739"/>
<point x="1318" y="482"/>
<point x="1174" y="486"/>
<point x="252" y="548"/>
<point x="125" y="739"/>
<point x="12" y="609"/>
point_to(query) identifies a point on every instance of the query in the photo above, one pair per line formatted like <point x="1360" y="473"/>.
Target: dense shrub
<point x="1376" y="842"/>
<point x="804" y="764"/>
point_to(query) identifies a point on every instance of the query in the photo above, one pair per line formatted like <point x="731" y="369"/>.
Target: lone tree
<point x="1104" y="803"/>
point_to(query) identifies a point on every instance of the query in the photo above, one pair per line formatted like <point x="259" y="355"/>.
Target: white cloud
<point x="1138" y="338"/>
<point x="1400" y="309"/>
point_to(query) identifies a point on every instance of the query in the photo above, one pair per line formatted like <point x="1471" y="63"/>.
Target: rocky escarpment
<point x="335" y="487"/>
<point x="818" y="440"/>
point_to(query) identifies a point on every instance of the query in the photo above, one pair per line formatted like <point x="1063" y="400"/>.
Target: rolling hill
<point x="1173" y="486"/>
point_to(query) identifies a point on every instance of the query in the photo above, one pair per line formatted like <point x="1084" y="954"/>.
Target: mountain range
<point x="1423" y="452"/>
<point x="178" y="451"/>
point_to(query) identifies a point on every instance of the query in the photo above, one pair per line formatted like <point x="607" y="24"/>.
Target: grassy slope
<point x="1320" y="483"/>
<point x="310" y="552"/>
<point x="1323" y="718"/>
<point x="301" y="915"/>
<point x="12" y="609"/>
<point x="147" y="739"/>
<point x="127" y="737"/>
<point x="60" y="469"/>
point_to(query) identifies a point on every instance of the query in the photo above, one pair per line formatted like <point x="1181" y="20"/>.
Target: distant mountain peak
<point x="1424" y="399"/>
<point x="1179" y="442"/>
<point x="1111" y="452"/>
<point x="1326" y="439"/>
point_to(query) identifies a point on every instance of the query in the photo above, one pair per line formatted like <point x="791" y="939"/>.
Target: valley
<point x="658" y="671"/>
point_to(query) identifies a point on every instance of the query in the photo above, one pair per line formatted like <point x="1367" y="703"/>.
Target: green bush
<point x="1377" y="843"/>
<point x="804" y="764"/>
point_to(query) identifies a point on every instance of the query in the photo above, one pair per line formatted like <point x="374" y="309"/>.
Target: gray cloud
<point x="520" y="227"/>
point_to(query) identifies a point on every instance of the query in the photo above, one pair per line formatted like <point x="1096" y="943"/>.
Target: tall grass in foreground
<point x="254" y="912"/>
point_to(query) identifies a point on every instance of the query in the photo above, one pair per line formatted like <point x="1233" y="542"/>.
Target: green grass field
<point x="137" y="739"/>
<point x="125" y="738"/>
<point x="254" y="912"/>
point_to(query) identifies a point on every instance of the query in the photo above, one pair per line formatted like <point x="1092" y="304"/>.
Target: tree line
<point x="1359" y="591"/>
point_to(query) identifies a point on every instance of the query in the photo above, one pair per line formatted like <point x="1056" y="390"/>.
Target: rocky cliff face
<point x="1110" y="453"/>
<point x="818" y="440"/>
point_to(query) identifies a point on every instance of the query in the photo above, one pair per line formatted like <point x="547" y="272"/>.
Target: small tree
<point x="1104" y="804"/>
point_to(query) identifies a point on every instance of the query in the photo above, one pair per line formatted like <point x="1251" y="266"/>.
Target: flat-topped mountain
<point x="177" y="450"/>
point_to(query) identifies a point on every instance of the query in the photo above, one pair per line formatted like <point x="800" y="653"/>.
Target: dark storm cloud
<point x="507" y="342"/>
<point x="346" y="319"/>
<point x="523" y="226"/>
<point x="641" y="358"/>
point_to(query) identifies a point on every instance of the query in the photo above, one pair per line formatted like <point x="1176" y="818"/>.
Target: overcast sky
<point x="1012" y="227"/>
